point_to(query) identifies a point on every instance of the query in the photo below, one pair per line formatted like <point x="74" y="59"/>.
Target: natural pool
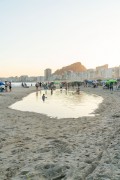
<point x="59" y="104"/>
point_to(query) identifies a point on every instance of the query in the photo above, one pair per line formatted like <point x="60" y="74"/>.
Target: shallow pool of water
<point x="59" y="104"/>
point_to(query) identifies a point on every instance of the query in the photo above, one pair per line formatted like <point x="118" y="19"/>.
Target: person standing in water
<point x="43" y="97"/>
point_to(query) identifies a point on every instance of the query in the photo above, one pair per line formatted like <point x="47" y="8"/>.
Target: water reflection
<point x="36" y="95"/>
<point x="59" y="103"/>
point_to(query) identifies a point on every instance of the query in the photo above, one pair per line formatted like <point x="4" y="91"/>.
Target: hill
<point x="75" y="67"/>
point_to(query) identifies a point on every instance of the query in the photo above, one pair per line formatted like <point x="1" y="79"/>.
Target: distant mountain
<point x="75" y="67"/>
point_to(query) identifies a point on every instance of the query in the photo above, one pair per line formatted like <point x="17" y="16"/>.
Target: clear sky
<point x="40" y="34"/>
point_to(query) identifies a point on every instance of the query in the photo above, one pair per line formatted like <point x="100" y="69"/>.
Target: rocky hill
<point x="75" y="67"/>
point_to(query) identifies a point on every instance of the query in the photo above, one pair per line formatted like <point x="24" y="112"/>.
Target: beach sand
<point x="36" y="147"/>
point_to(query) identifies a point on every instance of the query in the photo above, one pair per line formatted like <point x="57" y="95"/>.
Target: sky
<point x="40" y="34"/>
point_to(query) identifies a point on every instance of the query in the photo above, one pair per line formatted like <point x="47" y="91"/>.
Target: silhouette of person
<point x="43" y="97"/>
<point x="10" y="86"/>
<point x="51" y="91"/>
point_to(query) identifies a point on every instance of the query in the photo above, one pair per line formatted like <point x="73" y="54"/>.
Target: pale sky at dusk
<point x="40" y="34"/>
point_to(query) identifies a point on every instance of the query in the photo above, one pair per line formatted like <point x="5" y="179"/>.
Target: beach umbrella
<point x="111" y="81"/>
<point x="1" y="84"/>
<point x="56" y="82"/>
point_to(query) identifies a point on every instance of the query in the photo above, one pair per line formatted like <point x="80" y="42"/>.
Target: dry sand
<point x="36" y="147"/>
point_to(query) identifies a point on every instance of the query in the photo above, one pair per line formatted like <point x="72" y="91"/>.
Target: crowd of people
<point x="66" y="85"/>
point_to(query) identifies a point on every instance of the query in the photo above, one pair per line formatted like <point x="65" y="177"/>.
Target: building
<point x="100" y="71"/>
<point x="24" y="78"/>
<point x="40" y="78"/>
<point x="47" y="74"/>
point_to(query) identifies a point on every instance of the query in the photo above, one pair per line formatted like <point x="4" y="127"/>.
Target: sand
<point x="36" y="147"/>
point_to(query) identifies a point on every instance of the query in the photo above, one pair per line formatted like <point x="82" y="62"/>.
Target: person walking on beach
<point x="6" y="85"/>
<point x="78" y="90"/>
<point x="10" y="86"/>
<point x="51" y="90"/>
<point x="36" y="85"/>
<point x="111" y="86"/>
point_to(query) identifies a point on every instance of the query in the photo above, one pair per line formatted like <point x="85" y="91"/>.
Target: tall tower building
<point x="47" y="74"/>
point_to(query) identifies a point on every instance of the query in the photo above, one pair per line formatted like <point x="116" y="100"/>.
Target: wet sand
<point x="36" y="147"/>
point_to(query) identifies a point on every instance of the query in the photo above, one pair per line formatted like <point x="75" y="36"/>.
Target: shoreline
<point x="34" y="146"/>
